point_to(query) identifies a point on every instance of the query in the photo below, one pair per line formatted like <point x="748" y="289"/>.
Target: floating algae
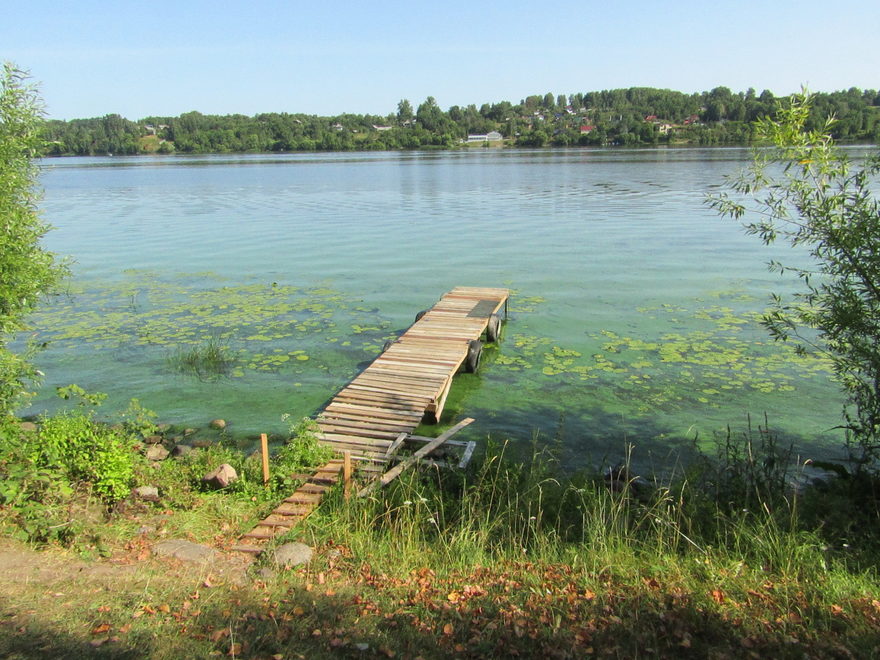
<point x="706" y="354"/>
<point x="258" y="322"/>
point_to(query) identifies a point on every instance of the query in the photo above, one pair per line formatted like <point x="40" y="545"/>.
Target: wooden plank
<point x="372" y="412"/>
<point x="395" y="445"/>
<point x="468" y="454"/>
<point x="396" y="471"/>
<point x="361" y="421"/>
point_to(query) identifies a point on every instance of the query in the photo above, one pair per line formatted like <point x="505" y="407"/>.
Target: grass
<point x="511" y="558"/>
<point x="209" y="360"/>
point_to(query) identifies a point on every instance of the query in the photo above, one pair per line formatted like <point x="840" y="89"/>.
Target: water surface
<point x="634" y="317"/>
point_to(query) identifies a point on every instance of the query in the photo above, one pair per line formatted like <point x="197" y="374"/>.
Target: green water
<point x="634" y="317"/>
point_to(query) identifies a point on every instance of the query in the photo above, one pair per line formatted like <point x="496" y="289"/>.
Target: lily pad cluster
<point x="697" y="355"/>
<point x="267" y="327"/>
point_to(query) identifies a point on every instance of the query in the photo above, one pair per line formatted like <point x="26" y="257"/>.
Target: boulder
<point x="28" y="427"/>
<point x="218" y="424"/>
<point x="153" y="439"/>
<point x="157" y="453"/>
<point x="292" y="554"/>
<point x="184" y="550"/>
<point x="221" y="477"/>
<point x="181" y="450"/>
<point x="146" y="493"/>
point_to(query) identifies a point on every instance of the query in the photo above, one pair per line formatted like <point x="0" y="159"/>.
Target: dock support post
<point x="264" y="448"/>
<point x="346" y="473"/>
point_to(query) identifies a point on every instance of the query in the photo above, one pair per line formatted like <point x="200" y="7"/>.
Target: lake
<point x="634" y="317"/>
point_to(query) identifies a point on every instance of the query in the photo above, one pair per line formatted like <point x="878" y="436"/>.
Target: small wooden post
<point x="346" y="473"/>
<point x="264" y="447"/>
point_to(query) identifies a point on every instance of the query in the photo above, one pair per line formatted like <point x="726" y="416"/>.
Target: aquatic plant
<point x="211" y="359"/>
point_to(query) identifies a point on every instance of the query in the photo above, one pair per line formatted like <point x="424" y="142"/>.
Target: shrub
<point x="86" y="450"/>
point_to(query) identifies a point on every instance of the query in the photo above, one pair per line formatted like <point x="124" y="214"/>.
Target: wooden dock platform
<point x="411" y="379"/>
<point x="372" y="416"/>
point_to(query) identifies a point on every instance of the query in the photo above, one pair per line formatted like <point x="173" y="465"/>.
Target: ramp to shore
<point x="377" y="412"/>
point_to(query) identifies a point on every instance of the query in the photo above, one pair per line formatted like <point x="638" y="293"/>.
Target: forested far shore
<point x="625" y="117"/>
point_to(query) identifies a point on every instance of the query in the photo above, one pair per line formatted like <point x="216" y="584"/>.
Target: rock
<point x="157" y="453"/>
<point x="292" y="554"/>
<point x="218" y="424"/>
<point x="181" y="450"/>
<point x="146" y="493"/>
<point x="163" y="428"/>
<point x="187" y="432"/>
<point x="28" y="427"/>
<point x="201" y="443"/>
<point x="184" y="550"/>
<point x="221" y="477"/>
<point x="153" y="439"/>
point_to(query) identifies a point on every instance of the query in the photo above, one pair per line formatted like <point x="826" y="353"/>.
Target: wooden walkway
<point x="379" y="409"/>
<point x="411" y="379"/>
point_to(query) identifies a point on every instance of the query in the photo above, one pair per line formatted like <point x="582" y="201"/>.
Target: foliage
<point x="88" y="451"/>
<point x="807" y="193"/>
<point x="300" y="452"/>
<point x="34" y="494"/>
<point x="634" y="116"/>
<point x="26" y="270"/>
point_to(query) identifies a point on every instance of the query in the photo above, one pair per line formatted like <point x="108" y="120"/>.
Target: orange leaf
<point x="104" y="627"/>
<point x="718" y="596"/>
<point x="836" y="609"/>
<point x="448" y="629"/>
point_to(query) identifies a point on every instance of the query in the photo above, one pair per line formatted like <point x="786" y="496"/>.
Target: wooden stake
<point x="264" y="447"/>
<point x="346" y="473"/>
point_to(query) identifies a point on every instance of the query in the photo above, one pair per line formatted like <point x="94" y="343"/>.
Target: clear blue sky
<point x="138" y="59"/>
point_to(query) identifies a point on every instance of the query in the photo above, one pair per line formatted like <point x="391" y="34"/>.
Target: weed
<point x="209" y="360"/>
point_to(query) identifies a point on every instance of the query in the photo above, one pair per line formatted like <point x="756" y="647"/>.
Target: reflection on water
<point x="592" y="242"/>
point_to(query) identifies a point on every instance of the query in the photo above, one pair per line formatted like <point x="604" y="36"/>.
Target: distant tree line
<point x="630" y="117"/>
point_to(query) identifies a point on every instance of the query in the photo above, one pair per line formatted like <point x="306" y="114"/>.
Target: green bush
<point x="88" y="451"/>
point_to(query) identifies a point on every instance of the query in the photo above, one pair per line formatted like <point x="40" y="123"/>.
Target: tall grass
<point x="740" y="510"/>
<point x="208" y="360"/>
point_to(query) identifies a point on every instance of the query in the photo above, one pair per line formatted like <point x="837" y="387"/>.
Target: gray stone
<point x="201" y="443"/>
<point x="218" y="424"/>
<point x="28" y="427"/>
<point x="153" y="439"/>
<point x="157" y="453"/>
<point x="147" y="493"/>
<point x="184" y="550"/>
<point x="292" y="554"/>
<point x="181" y="450"/>
<point x="221" y="477"/>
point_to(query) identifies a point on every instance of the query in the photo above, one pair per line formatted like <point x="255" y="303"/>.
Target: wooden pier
<point x="373" y="416"/>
